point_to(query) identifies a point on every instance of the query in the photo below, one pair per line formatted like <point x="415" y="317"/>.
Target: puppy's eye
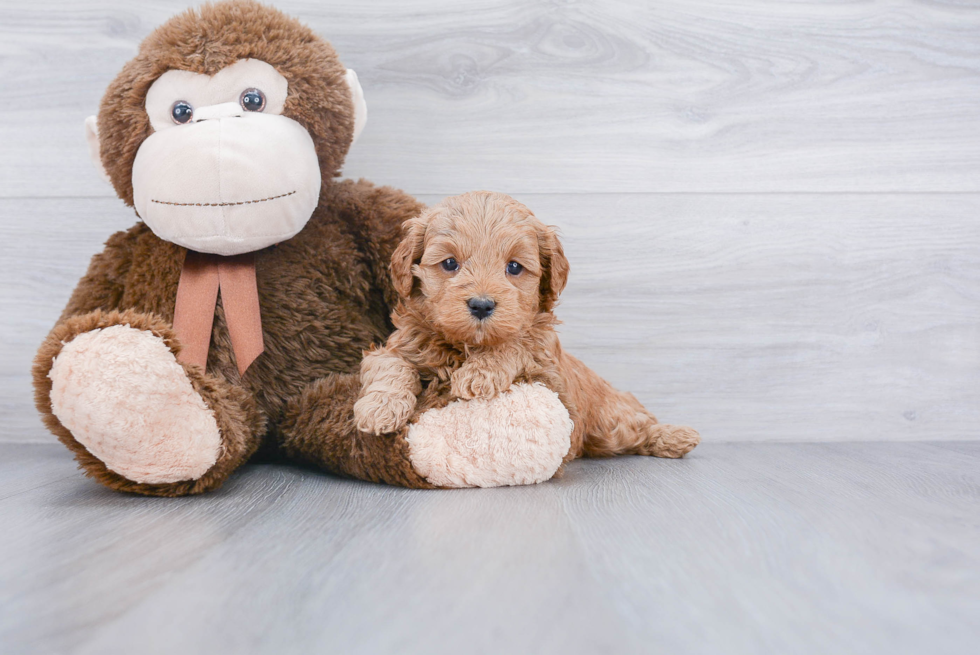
<point x="252" y="100"/>
<point x="513" y="268"/>
<point x="450" y="265"/>
<point x="181" y="112"/>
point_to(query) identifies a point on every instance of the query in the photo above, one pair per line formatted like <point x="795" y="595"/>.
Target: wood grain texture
<point x="741" y="548"/>
<point x="751" y="317"/>
<point x="531" y="96"/>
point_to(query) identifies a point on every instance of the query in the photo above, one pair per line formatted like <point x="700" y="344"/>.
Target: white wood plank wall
<point x="772" y="208"/>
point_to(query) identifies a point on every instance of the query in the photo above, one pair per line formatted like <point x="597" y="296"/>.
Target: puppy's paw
<point x="383" y="411"/>
<point x="470" y="382"/>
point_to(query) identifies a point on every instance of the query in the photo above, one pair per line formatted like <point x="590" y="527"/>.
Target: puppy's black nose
<point x="481" y="307"/>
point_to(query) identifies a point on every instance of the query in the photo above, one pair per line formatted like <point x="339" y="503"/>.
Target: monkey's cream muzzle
<point x="228" y="182"/>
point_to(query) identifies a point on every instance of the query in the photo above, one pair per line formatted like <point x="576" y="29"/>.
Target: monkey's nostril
<point x="481" y="308"/>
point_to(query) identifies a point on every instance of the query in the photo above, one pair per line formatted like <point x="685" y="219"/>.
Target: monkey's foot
<point x="122" y="394"/>
<point x="519" y="437"/>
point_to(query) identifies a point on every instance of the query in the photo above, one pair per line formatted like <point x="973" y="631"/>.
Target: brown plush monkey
<point x="234" y="313"/>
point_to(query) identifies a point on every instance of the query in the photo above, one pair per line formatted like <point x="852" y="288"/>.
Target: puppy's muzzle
<point x="481" y="308"/>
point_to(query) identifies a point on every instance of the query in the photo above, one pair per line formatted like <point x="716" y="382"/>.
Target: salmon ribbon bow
<point x="197" y="297"/>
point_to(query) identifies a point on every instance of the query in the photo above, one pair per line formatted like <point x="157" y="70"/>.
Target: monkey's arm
<point x="390" y="386"/>
<point x="375" y="214"/>
<point x="103" y="284"/>
<point x="93" y="305"/>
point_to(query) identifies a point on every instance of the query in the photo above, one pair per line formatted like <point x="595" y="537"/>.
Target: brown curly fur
<point x="325" y="295"/>
<point x="439" y="343"/>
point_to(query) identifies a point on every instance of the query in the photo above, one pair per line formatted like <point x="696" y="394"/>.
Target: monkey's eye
<point x="450" y="265"/>
<point x="252" y="100"/>
<point x="181" y="112"/>
<point x="513" y="268"/>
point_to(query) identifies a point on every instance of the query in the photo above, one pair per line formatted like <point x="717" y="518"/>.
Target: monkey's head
<point x="221" y="130"/>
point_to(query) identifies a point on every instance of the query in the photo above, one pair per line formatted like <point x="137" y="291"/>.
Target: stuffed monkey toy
<point x="232" y="317"/>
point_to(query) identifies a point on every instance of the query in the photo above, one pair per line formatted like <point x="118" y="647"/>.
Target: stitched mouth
<point x="220" y="204"/>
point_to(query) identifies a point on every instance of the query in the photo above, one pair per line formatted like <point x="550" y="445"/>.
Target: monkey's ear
<point x="406" y="254"/>
<point x="360" y="106"/>
<point x="92" y="136"/>
<point x="554" y="267"/>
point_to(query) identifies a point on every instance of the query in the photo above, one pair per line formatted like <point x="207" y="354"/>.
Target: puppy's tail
<point x="662" y="440"/>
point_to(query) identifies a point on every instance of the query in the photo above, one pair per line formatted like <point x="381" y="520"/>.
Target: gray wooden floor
<point x="742" y="548"/>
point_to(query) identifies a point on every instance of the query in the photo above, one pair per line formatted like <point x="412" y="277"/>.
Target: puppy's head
<point x="482" y="265"/>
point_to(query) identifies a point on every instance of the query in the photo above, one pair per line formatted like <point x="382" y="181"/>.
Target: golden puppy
<point x="478" y="276"/>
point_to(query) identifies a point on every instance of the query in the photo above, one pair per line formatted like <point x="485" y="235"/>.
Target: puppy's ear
<point x="554" y="267"/>
<point x="408" y="252"/>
